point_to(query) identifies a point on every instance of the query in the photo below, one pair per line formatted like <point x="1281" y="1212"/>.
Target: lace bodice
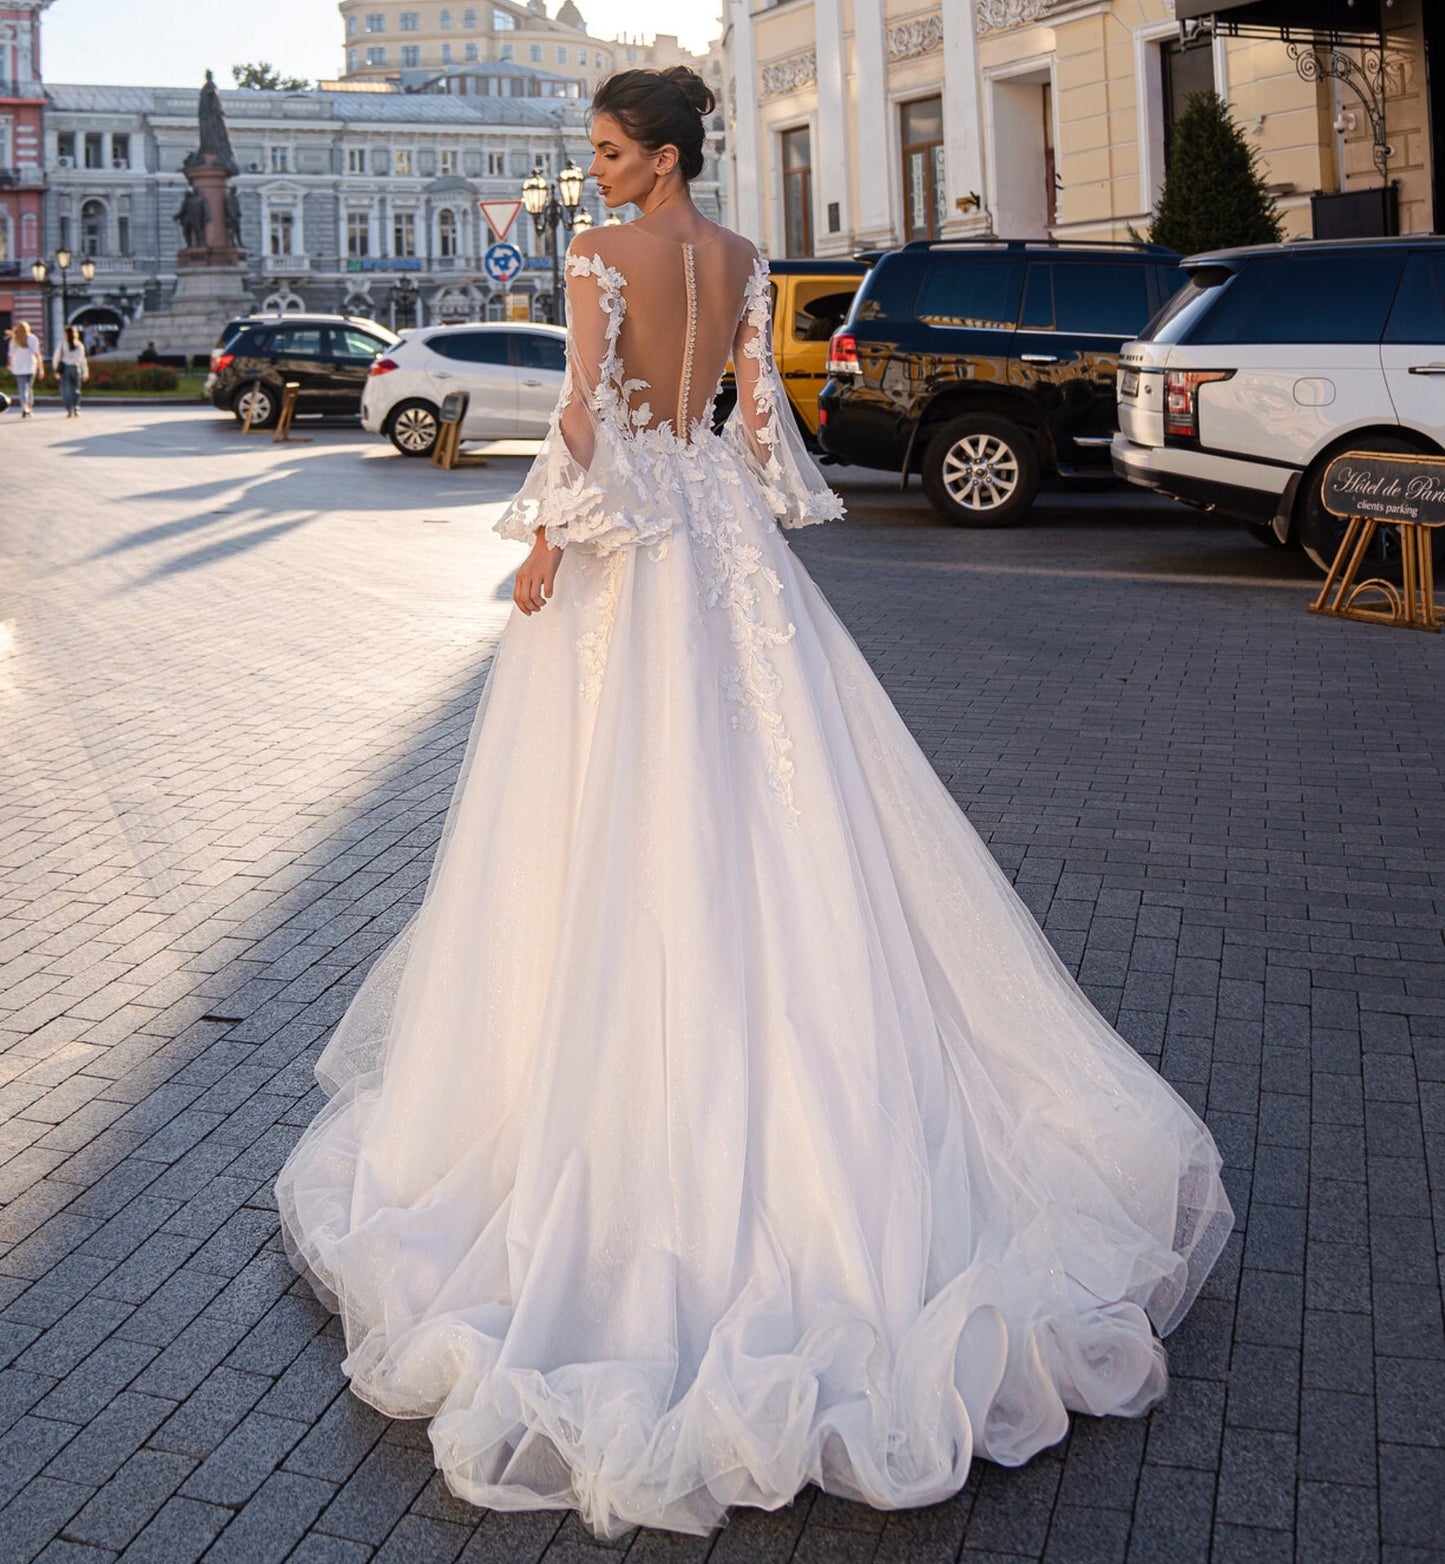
<point x="652" y="324"/>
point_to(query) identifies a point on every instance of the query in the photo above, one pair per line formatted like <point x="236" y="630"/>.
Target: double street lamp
<point x="552" y="207"/>
<point x="63" y="258"/>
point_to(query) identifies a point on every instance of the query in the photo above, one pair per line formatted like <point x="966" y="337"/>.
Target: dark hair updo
<point x="660" y="109"/>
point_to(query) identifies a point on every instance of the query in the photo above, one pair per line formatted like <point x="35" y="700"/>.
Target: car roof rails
<point x="1052" y="242"/>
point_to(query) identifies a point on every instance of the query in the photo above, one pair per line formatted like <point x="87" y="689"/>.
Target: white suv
<point x="1271" y="361"/>
<point x="512" y="372"/>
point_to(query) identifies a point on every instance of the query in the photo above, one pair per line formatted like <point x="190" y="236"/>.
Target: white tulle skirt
<point x="723" y="1122"/>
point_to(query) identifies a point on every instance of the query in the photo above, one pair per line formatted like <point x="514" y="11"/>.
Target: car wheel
<point x="1320" y="534"/>
<point x="258" y="402"/>
<point x="1263" y="532"/>
<point x="414" y="428"/>
<point x="981" y="471"/>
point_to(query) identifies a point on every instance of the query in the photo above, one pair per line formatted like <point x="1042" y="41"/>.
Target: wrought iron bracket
<point x="1365" y="77"/>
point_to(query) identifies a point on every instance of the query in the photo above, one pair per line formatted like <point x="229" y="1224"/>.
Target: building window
<point x="358" y="234"/>
<point x="449" y="160"/>
<point x="597" y="60"/>
<point x="411" y="21"/>
<point x="632" y="56"/>
<point x="356" y="160"/>
<point x="280" y="160"/>
<point x="376" y="22"/>
<point x="472" y="53"/>
<point x="65" y="148"/>
<point x="503" y="21"/>
<point x="561" y="54"/>
<point x="351" y="27"/>
<point x="92" y="228"/>
<point x="921" y="136"/>
<point x="352" y="58"/>
<point x="496" y="165"/>
<point x="447" y="235"/>
<point x="375" y="55"/>
<point x="1187" y="69"/>
<point x="122" y="235"/>
<point x="282" y="233"/>
<point x="120" y="151"/>
<point x="401" y="161"/>
<point x="444" y="21"/>
<point x="797" y="191"/>
<point x="411" y="54"/>
<point x="94" y="149"/>
<point x="403" y="236"/>
<point x="469" y="18"/>
<point x="63" y="237"/>
<point x="446" y="54"/>
<point x="582" y="57"/>
<point x="534" y="53"/>
<point x="7" y="247"/>
<point x="505" y="52"/>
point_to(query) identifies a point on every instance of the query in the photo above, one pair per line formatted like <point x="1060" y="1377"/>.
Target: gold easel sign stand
<point x="447" y="453"/>
<point x="1369" y="490"/>
<point x="283" y="433"/>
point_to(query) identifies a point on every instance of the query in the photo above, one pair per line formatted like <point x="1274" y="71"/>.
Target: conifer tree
<point x="1214" y="194"/>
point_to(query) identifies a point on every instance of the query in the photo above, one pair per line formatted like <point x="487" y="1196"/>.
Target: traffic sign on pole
<point x="500" y="216"/>
<point x="502" y="262"/>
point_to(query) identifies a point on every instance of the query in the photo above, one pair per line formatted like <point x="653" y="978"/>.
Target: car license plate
<point x="1129" y="383"/>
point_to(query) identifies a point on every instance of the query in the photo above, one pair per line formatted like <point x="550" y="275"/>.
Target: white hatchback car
<point x="512" y="372"/>
<point x="1270" y="362"/>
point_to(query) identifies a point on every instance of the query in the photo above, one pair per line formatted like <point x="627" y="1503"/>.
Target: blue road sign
<point x="502" y="262"/>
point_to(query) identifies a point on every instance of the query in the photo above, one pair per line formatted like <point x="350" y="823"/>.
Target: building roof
<point x="352" y="107"/>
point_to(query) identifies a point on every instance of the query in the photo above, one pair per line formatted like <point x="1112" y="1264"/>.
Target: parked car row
<point x="1227" y="380"/>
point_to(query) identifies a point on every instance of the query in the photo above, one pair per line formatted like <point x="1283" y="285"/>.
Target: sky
<point x="171" y="43"/>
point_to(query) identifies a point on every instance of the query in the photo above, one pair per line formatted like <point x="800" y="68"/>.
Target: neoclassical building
<point x="364" y="200"/>
<point x="861" y="123"/>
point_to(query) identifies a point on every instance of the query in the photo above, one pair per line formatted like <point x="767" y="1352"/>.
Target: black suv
<point x="985" y="364"/>
<point x="328" y="356"/>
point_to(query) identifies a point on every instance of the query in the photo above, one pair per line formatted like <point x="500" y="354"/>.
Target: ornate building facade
<point x="363" y="200"/>
<point x="861" y="123"/>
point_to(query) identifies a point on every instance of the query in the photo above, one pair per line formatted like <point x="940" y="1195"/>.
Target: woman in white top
<point x="71" y="367"/>
<point x="26" y="363"/>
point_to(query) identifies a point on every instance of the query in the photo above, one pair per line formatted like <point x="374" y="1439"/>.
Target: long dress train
<point x="722" y="1121"/>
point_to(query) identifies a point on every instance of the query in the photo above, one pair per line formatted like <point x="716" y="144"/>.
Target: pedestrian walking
<point x="72" y="368"/>
<point x="27" y="364"/>
<point x="148" y="355"/>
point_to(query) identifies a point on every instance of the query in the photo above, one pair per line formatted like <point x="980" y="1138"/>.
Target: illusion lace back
<point x="722" y="1122"/>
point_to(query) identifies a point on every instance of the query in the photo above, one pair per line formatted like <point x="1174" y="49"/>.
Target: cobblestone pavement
<point x="235" y="681"/>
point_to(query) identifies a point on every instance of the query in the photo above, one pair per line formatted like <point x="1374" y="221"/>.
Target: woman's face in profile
<point x="624" y="170"/>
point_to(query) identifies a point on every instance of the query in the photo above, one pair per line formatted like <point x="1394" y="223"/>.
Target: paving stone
<point x="243" y="1460"/>
<point x="377" y="1494"/>
<point x="129" y="1500"/>
<point x="179" y="1534"/>
<point x="273" y="1521"/>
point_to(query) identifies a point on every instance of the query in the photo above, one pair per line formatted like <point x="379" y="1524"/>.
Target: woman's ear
<point x="665" y="160"/>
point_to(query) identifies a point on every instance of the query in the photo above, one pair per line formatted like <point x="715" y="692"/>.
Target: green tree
<point x="262" y="76"/>
<point x="1214" y="194"/>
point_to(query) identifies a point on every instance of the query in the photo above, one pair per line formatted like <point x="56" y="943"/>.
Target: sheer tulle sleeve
<point x="584" y="487"/>
<point x="762" y="427"/>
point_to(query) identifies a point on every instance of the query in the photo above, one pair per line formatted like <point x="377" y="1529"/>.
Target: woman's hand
<point x="535" y="579"/>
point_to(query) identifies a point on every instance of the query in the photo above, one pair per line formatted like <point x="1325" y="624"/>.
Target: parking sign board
<point x="502" y="262"/>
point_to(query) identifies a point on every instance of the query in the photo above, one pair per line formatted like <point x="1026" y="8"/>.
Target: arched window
<point x="92" y="228"/>
<point x="447" y="235"/>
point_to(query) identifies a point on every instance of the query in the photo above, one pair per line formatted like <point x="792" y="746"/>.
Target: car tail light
<point x="843" y="355"/>
<point x="822" y="417"/>
<point x="220" y="361"/>
<point x="384" y="366"/>
<point x="1181" y="399"/>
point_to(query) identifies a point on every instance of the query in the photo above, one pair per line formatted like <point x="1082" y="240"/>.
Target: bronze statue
<point x="194" y="218"/>
<point x="215" y="148"/>
<point x="233" y="216"/>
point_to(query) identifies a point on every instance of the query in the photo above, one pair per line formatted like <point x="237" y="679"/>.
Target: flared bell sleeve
<point x="761" y="427"/>
<point x="585" y="487"/>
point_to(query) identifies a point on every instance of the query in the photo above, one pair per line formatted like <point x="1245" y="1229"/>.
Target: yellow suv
<point x="811" y="300"/>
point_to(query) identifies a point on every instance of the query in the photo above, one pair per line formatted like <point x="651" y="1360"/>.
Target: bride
<point x="722" y="1122"/>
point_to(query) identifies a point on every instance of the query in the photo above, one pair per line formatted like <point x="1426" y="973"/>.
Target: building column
<point x="962" y="125"/>
<point x="832" y="156"/>
<point x="744" y="126"/>
<point x="877" y="213"/>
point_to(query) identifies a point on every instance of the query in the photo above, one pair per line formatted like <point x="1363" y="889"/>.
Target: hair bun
<point x="691" y="86"/>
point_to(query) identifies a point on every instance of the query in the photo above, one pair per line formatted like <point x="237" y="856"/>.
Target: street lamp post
<point x="552" y="207"/>
<point x="40" y="272"/>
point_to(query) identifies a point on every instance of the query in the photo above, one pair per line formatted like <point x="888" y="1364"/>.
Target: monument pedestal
<point x="206" y="297"/>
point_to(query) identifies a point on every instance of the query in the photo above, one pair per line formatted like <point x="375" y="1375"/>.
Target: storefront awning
<point x="1336" y="19"/>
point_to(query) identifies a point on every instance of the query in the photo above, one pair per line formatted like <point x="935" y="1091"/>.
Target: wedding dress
<point x="723" y="1122"/>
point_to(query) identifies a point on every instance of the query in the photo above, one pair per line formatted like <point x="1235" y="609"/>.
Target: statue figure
<point x="215" y="148"/>
<point x="233" y="216"/>
<point x="193" y="217"/>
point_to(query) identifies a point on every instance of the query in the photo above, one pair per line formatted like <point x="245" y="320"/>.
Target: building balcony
<point x="285" y="265"/>
<point x="32" y="178"/>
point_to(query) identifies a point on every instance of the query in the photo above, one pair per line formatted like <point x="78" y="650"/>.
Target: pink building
<point x="22" y="172"/>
